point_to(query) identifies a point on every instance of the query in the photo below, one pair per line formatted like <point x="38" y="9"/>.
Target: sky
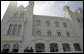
<point x="49" y="8"/>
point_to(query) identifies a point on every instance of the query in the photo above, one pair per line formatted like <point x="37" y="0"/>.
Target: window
<point x="49" y="33"/>
<point x="59" y="34"/>
<point x="40" y="47"/>
<point x="64" y="23"/>
<point x="66" y="47"/>
<point x="19" y="29"/>
<point x="78" y="20"/>
<point x="15" y="48"/>
<point x="38" y="22"/>
<point x="53" y="47"/>
<point x="47" y="23"/>
<point x="6" y="48"/>
<point x="68" y="34"/>
<point x="38" y="33"/>
<point x="56" y="24"/>
<point x="14" y="30"/>
<point x="77" y="47"/>
<point x="10" y="29"/>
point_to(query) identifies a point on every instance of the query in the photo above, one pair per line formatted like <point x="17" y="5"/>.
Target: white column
<point x="60" y="48"/>
<point x="21" y="49"/>
<point x="47" y="47"/>
<point x="34" y="47"/>
<point x="11" y="48"/>
<point x="81" y="46"/>
<point x="72" y="47"/>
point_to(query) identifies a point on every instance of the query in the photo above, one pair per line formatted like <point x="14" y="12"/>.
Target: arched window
<point x="59" y="34"/>
<point x="53" y="47"/>
<point x="38" y="22"/>
<point x="15" y="48"/>
<point x="6" y="48"/>
<point x="66" y="47"/>
<point x="40" y="47"/>
<point x="68" y="34"/>
<point x="14" y="29"/>
<point x="39" y="33"/>
<point x="10" y="29"/>
<point x="77" y="47"/>
<point x="19" y="29"/>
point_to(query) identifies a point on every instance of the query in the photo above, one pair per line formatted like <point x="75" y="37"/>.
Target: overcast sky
<point x="50" y="8"/>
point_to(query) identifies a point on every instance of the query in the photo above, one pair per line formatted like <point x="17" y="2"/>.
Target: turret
<point x="79" y="11"/>
<point x="66" y="8"/>
<point x="28" y="24"/>
<point x="30" y="7"/>
<point x="68" y="13"/>
<point x="31" y="3"/>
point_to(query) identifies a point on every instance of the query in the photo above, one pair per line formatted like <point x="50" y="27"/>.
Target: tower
<point x="68" y="12"/>
<point x="76" y="22"/>
<point x="5" y="22"/>
<point x="30" y="7"/>
<point x="16" y="25"/>
<point x="27" y="40"/>
<point x="11" y="8"/>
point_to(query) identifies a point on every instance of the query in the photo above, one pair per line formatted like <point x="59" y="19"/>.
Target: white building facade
<point x="21" y="29"/>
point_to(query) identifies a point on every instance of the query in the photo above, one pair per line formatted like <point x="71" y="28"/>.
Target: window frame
<point x="56" y="24"/>
<point x="47" y="23"/>
<point x="38" y="33"/>
<point x="64" y="24"/>
<point x="10" y="29"/>
<point x="59" y="34"/>
<point x="76" y="48"/>
<point x="38" y="22"/>
<point x="64" y="47"/>
<point x="68" y="34"/>
<point x="19" y="29"/>
<point x="14" y="29"/>
<point x="15" y="48"/>
<point x="54" y="47"/>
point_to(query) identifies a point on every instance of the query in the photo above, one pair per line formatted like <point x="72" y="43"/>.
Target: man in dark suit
<point x="26" y="50"/>
<point x="31" y="50"/>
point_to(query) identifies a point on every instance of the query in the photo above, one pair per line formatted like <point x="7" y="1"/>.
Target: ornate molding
<point x="11" y="41"/>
